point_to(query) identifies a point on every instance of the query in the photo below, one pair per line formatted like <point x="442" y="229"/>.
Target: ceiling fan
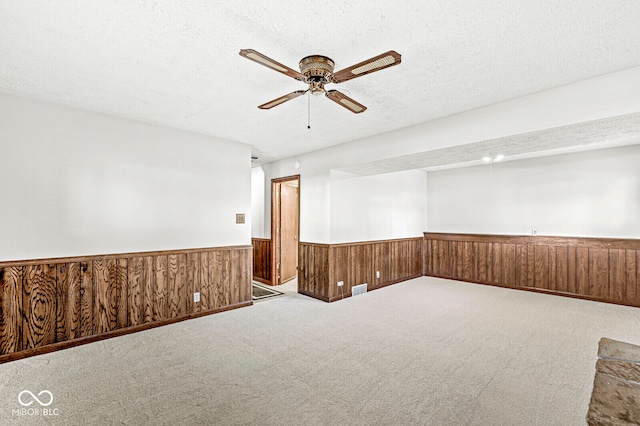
<point x="317" y="70"/>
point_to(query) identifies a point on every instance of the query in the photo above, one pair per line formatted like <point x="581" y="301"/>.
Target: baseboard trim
<point x="115" y="333"/>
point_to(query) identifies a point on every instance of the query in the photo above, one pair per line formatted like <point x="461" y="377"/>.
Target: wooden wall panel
<point x="68" y="302"/>
<point x="595" y="268"/>
<point x="489" y="262"/>
<point x="135" y="287"/>
<point x="48" y="304"/>
<point x="359" y="266"/>
<point x="148" y="279"/>
<point x="425" y="256"/>
<point x="468" y="269"/>
<point x="415" y="257"/>
<point x="219" y="274"/>
<point x="238" y="291"/>
<point x="176" y="285"/>
<point x="617" y="274"/>
<point x="541" y="266"/>
<point x="261" y="259"/>
<point x="572" y="270"/>
<point x="11" y="309"/>
<point x="381" y="258"/>
<point x="338" y="272"/>
<point x="562" y="269"/>
<point x="323" y="265"/>
<point x="160" y="298"/>
<point x="313" y="275"/>
<point x="457" y="256"/>
<point x="632" y="277"/>
<point x="496" y="269"/>
<point x="240" y="275"/>
<point x="39" y="293"/>
<point x="444" y="259"/>
<point x="437" y="255"/>
<point x="193" y="281"/>
<point x="582" y="270"/>
<point x="521" y="266"/>
<point x="531" y="265"/>
<point x="86" y="299"/>
<point x="105" y="296"/>
<point x="598" y="273"/>
<point x="205" y="282"/>
<point x="122" y="295"/>
<point x="553" y="267"/>
<point x="482" y="262"/>
<point x="508" y="264"/>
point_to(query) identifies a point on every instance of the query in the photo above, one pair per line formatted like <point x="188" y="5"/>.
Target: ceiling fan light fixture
<point x="317" y="88"/>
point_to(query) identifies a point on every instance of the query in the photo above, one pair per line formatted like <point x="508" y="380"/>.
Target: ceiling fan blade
<point x="374" y="64"/>
<point x="270" y="63"/>
<point x="283" y="99"/>
<point x="345" y="101"/>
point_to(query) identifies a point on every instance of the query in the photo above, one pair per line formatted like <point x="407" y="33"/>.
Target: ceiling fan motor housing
<point x="318" y="70"/>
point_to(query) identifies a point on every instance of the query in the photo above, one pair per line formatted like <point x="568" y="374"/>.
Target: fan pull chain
<point x="309" y="111"/>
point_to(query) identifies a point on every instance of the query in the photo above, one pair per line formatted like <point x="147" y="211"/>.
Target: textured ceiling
<point x="177" y="63"/>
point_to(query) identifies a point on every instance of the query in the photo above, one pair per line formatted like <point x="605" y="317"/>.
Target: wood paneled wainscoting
<point x="53" y="304"/>
<point x="601" y="269"/>
<point x="323" y="265"/>
<point x="262" y="260"/>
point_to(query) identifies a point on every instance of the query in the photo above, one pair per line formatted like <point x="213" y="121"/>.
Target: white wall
<point x="590" y="194"/>
<point x="81" y="183"/>
<point x="365" y="208"/>
<point x="257" y="202"/>
<point x="314" y="196"/>
<point x="605" y="96"/>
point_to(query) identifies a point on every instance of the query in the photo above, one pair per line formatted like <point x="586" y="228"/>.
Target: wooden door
<point x="288" y="232"/>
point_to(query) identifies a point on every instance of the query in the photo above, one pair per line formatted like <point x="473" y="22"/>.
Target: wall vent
<point x="358" y="289"/>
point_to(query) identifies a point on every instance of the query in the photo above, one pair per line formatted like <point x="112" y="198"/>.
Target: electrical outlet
<point x="534" y="231"/>
<point x="377" y="274"/>
<point x="196" y="297"/>
<point x="340" y="283"/>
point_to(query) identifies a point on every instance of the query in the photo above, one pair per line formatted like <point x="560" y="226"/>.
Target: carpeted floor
<point x="426" y="351"/>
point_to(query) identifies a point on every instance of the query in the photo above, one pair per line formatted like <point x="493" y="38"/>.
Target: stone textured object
<point x="615" y="399"/>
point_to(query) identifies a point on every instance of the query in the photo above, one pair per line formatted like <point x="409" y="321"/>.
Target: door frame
<point x="275" y="276"/>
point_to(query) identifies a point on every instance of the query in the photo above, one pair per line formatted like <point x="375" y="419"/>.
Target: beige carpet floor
<point x="426" y="351"/>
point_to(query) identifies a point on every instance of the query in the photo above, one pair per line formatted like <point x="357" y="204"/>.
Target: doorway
<point x="285" y="228"/>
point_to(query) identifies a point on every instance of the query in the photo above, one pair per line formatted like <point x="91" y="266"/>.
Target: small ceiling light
<point x="499" y="157"/>
<point x="486" y="159"/>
